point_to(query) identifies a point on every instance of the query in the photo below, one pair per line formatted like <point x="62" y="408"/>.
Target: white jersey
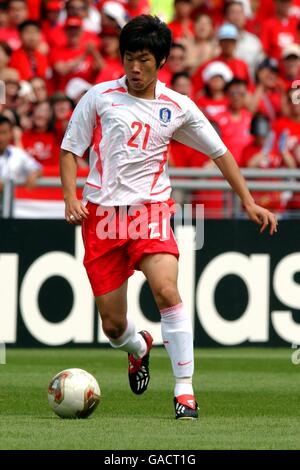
<point x="16" y="164"/>
<point x="129" y="138"/>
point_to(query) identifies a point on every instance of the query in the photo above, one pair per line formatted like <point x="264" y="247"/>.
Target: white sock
<point x="183" y="387"/>
<point x="177" y="335"/>
<point x="130" y="341"/>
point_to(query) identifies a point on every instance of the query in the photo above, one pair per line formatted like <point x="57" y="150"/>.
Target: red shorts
<point x="117" y="238"/>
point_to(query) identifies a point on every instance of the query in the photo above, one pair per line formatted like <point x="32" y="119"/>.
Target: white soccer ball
<point x="73" y="393"/>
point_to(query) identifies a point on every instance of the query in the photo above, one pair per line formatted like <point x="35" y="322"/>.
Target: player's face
<point x="141" y="72"/>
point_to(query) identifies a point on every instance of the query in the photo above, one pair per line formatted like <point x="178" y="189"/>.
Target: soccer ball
<point x="73" y="393"/>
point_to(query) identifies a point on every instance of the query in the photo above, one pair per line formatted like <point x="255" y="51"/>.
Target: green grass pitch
<point x="249" y="399"/>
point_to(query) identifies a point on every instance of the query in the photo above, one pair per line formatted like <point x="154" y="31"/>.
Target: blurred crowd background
<point x="238" y="60"/>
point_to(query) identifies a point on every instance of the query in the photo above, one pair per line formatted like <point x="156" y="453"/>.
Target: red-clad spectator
<point x="213" y="100"/>
<point x="204" y="46"/>
<point x="28" y="60"/>
<point x="261" y="11"/>
<point x="53" y="25"/>
<point x="182" y="26"/>
<point x="182" y="83"/>
<point x="287" y="131"/>
<point x="279" y="31"/>
<point x="62" y="107"/>
<point x="268" y="94"/>
<point x="34" y="9"/>
<point x="25" y="102"/>
<point x="249" y="47"/>
<point x="87" y="11"/>
<point x="5" y="54"/>
<point x="17" y="14"/>
<point x="11" y="78"/>
<point x="112" y="67"/>
<point x="137" y="7"/>
<point x="75" y="60"/>
<point x="212" y="8"/>
<point x="58" y="38"/>
<point x="259" y="153"/>
<point x="290" y="65"/>
<point x="40" y="141"/>
<point x="234" y="124"/>
<point x="294" y="10"/>
<point x="18" y="97"/>
<point x="15" y="164"/>
<point x="176" y="63"/>
<point x="228" y="36"/>
<point x="113" y="15"/>
<point x="181" y="156"/>
<point x="92" y="19"/>
<point x="50" y="23"/>
<point x="39" y="89"/>
<point x="4" y="22"/>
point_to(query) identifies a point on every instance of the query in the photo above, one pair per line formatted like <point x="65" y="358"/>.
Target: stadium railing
<point x="189" y="180"/>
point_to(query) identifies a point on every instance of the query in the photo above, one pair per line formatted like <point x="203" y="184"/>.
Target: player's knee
<point x="112" y="329"/>
<point x="167" y="295"/>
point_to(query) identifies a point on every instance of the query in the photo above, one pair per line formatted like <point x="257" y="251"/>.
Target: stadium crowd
<point x="238" y="60"/>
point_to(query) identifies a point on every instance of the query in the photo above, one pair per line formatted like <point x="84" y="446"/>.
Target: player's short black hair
<point x="28" y="23"/>
<point x="146" y="32"/>
<point x="5" y="120"/>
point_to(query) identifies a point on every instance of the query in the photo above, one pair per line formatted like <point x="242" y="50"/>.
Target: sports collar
<point x="158" y="89"/>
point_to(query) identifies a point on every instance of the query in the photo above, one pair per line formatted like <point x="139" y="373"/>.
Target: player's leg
<point x="161" y="271"/>
<point x="107" y="266"/>
<point x="122" y="335"/>
<point x="120" y="331"/>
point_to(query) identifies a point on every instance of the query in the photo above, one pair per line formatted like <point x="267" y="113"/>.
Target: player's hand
<point x="262" y="217"/>
<point x="75" y="211"/>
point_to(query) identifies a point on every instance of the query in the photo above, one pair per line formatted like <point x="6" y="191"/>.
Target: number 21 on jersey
<point x="139" y="127"/>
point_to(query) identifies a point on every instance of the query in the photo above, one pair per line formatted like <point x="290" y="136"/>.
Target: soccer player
<point x="127" y="124"/>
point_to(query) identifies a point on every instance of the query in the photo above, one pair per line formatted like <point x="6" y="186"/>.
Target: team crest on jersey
<point x="165" y="115"/>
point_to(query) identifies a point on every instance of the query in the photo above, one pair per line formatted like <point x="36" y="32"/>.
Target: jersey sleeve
<point x="79" y="133"/>
<point x="198" y="133"/>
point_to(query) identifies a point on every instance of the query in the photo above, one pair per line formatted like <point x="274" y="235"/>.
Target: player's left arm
<point x="231" y="172"/>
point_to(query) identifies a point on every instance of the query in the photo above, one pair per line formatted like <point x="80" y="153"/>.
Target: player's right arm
<point x="74" y="209"/>
<point x="77" y="139"/>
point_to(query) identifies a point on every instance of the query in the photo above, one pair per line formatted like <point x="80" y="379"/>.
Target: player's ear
<point x="162" y="62"/>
